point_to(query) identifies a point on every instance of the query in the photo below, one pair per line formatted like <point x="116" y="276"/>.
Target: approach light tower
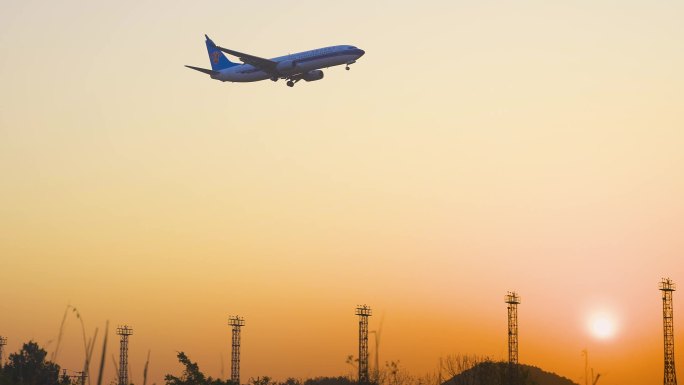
<point x="3" y="342"/>
<point x="667" y="287"/>
<point x="512" y="299"/>
<point x="236" y="322"/>
<point x="363" y="312"/>
<point x="124" y="332"/>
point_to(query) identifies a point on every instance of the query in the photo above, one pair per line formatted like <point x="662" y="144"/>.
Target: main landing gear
<point x="292" y="82"/>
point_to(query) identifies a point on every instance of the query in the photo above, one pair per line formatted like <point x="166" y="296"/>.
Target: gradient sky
<point x="477" y="147"/>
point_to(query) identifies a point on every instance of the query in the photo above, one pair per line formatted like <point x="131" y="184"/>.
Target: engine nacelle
<point x="313" y="75"/>
<point x="287" y="66"/>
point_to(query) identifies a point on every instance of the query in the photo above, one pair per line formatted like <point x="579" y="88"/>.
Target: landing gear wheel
<point x="290" y="83"/>
<point x="347" y="68"/>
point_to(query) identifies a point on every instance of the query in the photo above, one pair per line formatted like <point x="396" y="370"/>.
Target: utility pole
<point x="124" y="332"/>
<point x="667" y="287"/>
<point x="512" y="299"/>
<point x="3" y="342"/>
<point x="363" y="312"/>
<point x="237" y="323"/>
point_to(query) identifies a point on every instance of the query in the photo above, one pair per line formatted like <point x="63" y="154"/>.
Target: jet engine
<point x="313" y="75"/>
<point x="287" y="66"/>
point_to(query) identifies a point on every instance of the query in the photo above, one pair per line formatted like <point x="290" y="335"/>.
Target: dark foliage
<point x="29" y="367"/>
<point x="329" y="381"/>
<point x="501" y="373"/>
<point x="192" y="375"/>
<point x="547" y="378"/>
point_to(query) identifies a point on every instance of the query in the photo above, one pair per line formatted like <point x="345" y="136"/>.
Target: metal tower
<point x="236" y="322"/>
<point x="3" y="342"/>
<point x="124" y="332"/>
<point x="512" y="299"/>
<point x="667" y="287"/>
<point x="363" y="312"/>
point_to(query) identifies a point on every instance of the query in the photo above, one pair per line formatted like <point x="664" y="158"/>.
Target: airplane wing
<point x="261" y="63"/>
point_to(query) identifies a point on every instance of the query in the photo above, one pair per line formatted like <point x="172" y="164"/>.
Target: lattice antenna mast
<point x="3" y="342"/>
<point x="237" y="323"/>
<point x="124" y="331"/>
<point x="512" y="299"/>
<point x="363" y="312"/>
<point x="667" y="287"/>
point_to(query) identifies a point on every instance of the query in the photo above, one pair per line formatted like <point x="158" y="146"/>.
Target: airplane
<point x="295" y="67"/>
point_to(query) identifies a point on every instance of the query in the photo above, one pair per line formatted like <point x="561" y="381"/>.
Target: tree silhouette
<point x="265" y="380"/>
<point x="329" y="381"/>
<point x="192" y="375"/>
<point x="29" y="367"/>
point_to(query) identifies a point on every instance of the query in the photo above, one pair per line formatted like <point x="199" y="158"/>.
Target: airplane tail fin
<point x="218" y="60"/>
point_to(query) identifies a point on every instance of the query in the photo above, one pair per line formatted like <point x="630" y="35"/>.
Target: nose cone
<point x="361" y="52"/>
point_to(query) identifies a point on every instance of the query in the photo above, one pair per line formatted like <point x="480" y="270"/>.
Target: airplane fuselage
<point x="305" y="65"/>
<point x="297" y="63"/>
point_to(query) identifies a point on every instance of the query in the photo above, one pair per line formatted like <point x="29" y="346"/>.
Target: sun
<point x="602" y="326"/>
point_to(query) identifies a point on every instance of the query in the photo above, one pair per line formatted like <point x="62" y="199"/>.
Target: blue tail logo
<point x="215" y="57"/>
<point x="218" y="60"/>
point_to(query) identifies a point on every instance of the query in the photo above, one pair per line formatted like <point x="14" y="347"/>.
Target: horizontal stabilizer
<point x="206" y="71"/>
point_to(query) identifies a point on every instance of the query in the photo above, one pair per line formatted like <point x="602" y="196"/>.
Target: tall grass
<point x="104" y="354"/>
<point x="222" y="375"/>
<point x="53" y="356"/>
<point x="85" y="342"/>
<point x="147" y="363"/>
<point x="88" y="344"/>
<point x="116" y="367"/>
<point x="89" y="354"/>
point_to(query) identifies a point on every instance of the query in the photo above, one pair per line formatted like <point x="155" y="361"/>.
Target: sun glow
<point x="602" y="326"/>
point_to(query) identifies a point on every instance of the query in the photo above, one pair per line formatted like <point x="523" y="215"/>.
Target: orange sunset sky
<point x="478" y="147"/>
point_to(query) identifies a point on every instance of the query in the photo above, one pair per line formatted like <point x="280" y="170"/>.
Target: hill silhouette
<point x="497" y="373"/>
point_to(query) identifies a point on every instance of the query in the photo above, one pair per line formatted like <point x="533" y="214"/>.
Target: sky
<point x="478" y="147"/>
